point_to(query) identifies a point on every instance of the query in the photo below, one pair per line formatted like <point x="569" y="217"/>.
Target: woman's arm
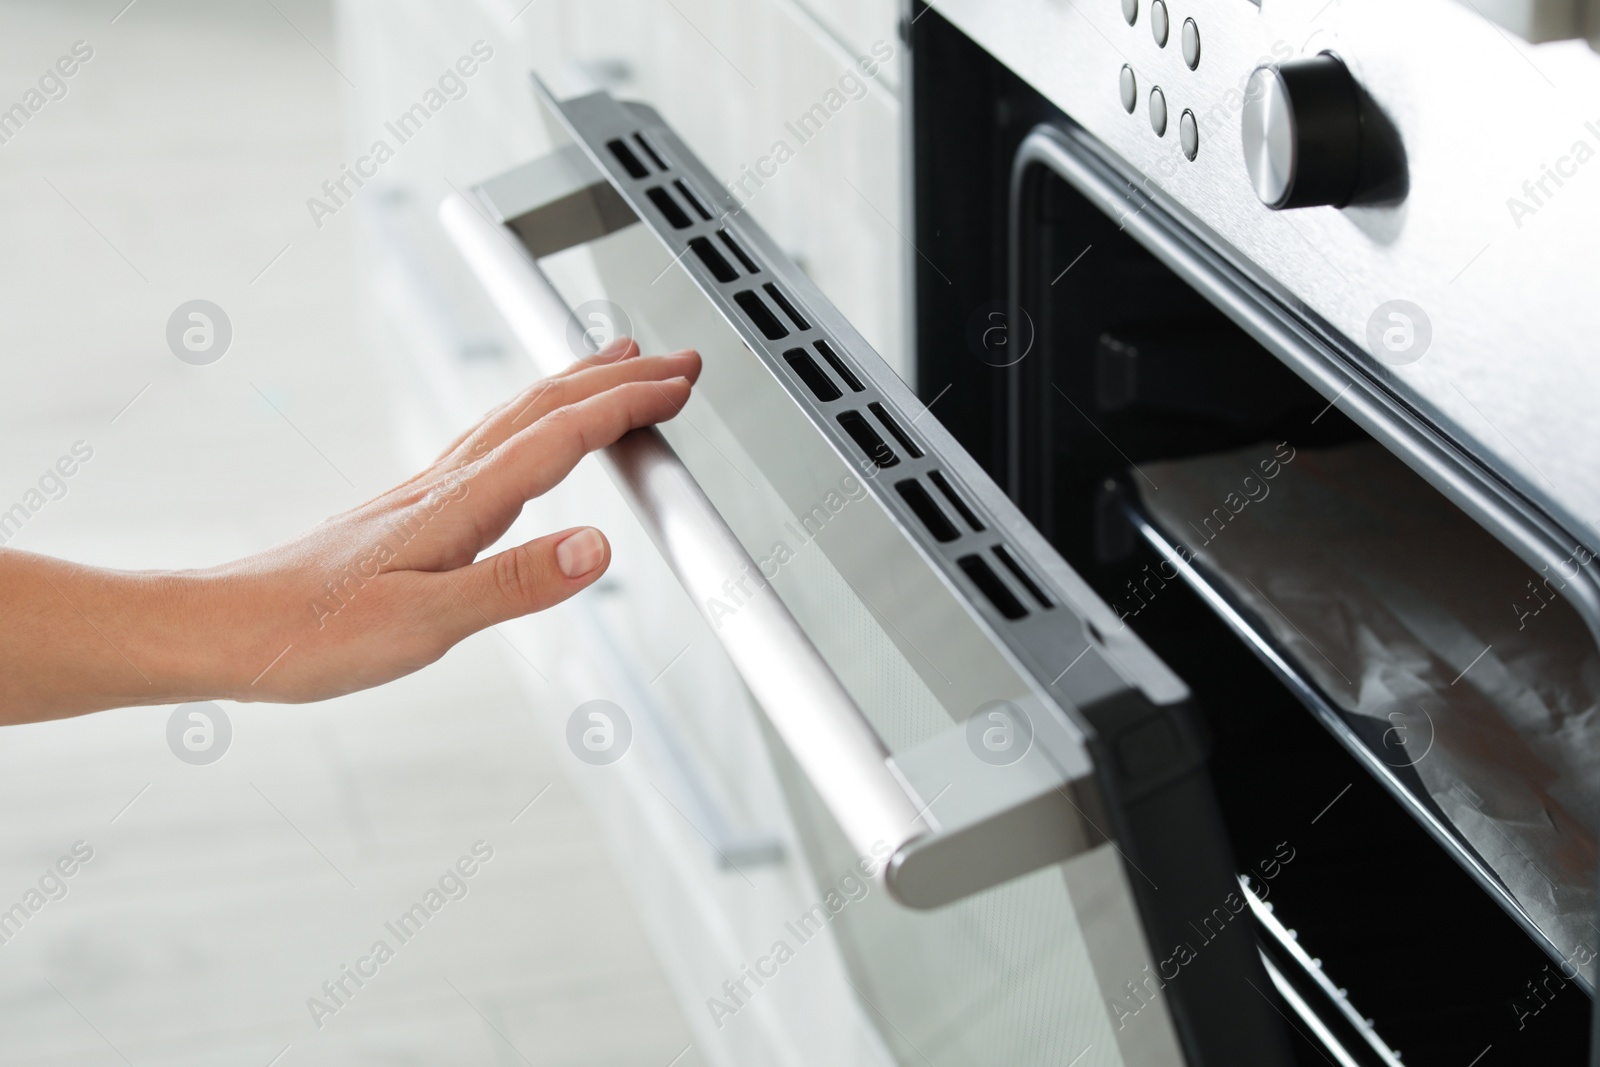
<point x="363" y="598"/>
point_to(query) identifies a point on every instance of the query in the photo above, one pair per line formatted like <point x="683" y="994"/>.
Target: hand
<point x="365" y="597"/>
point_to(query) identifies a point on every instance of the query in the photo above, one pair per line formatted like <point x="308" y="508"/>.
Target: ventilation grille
<point x="864" y="425"/>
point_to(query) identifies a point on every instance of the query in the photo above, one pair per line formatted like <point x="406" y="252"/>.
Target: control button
<point x="1130" y="11"/>
<point x="1188" y="134"/>
<point x="1158" y="111"/>
<point x="1130" y="89"/>
<point x="1302" y="133"/>
<point x="1190" y="41"/>
<point x="1158" y="23"/>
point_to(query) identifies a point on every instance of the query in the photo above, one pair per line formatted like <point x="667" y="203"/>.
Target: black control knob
<point x="1302" y="127"/>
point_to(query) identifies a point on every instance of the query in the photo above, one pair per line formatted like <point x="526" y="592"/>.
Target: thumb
<point x="530" y="577"/>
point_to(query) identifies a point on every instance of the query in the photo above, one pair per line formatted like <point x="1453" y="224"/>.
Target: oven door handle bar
<point x="828" y="735"/>
<point x="992" y="822"/>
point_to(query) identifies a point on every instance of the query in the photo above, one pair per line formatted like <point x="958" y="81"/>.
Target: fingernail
<point x="580" y="552"/>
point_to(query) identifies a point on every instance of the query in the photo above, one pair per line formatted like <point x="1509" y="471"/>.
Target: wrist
<point x="220" y="631"/>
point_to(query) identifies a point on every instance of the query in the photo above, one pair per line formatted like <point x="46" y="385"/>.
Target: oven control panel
<point x="1430" y="156"/>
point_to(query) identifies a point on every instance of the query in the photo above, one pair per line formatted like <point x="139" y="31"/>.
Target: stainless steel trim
<point x="556" y="201"/>
<point x="1000" y="823"/>
<point x="829" y="737"/>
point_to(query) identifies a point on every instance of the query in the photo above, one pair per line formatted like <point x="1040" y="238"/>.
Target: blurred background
<point x="177" y="163"/>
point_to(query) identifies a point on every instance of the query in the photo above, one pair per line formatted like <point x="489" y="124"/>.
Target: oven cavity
<point x="1352" y="636"/>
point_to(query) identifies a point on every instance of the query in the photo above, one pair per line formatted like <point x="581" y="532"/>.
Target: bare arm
<point x="365" y="597"/>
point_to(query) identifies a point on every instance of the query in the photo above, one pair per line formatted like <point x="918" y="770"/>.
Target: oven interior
<point x="1129" y="366"/>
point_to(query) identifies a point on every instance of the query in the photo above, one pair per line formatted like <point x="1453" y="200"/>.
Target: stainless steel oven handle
<point x="820" y="723"/>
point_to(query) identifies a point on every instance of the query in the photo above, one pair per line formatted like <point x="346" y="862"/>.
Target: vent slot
<point x="844" y="372"/>
<point x="669" y="208"/>
<point x="806" y="369"/>
<point x="720" y="268"/>
<point x="738" y="253"/>
<point x="861" y="431"/>
<point x="761" y="315"/>
<point x="629" y="161"/>
<point x="932" y="517"/>
<point x="894" y="429"/>
<point x="649" y="150"/>
<point x="956" y="502"/>
<point x="694" y="200"/>
<point x="990" y="585"/>
<point x="788" y="309"/>
<point x="1024" y="577"/>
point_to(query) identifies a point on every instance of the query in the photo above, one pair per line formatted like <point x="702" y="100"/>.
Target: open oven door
<point x="953" y="711"/>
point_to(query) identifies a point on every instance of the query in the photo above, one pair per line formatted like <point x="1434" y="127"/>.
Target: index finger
<point x="623" y="348"/>
<point x="536" y="459"/>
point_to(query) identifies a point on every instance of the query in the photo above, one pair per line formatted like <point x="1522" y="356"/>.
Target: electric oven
<point x="1193" y="662"/>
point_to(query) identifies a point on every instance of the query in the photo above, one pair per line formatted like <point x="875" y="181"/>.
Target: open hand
<point x="365" y="597"/>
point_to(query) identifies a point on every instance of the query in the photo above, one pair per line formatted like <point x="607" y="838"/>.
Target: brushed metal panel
<point x="1509" y="374"/>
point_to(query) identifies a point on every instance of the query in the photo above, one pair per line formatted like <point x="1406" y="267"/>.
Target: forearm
<point x="75" y="639"/>
<point x="367" y="596"/>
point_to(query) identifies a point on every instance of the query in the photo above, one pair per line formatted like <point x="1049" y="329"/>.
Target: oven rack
<point x="1248" y="626"/>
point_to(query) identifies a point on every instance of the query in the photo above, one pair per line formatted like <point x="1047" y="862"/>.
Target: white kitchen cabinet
<point x="698" y="785"/>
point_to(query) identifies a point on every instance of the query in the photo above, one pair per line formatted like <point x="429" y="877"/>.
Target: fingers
<point x="620" y="349"/>
<point x="525" y="579"/>
<point x="577" y="383"/>
<point x="538" y="458"/>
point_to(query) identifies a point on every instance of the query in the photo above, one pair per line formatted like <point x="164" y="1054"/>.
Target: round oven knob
<point x="1302" y="133"/>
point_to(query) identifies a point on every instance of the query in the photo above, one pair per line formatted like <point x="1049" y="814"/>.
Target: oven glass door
<point x="1005" y="975"/>
<point x="1014" y="824"/>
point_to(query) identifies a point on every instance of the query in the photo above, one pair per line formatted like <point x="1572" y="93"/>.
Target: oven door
<point x="952" y="713"/>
